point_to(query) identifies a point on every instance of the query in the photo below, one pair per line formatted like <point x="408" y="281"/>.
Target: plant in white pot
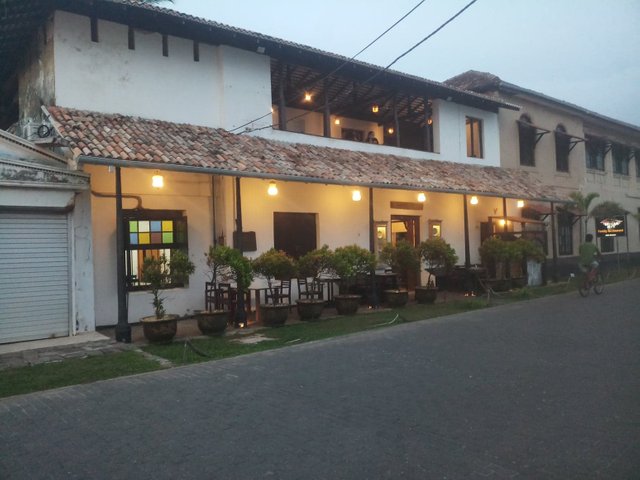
<point x="274" y="265"/>
<point x="312" y="265"/>
<point x="438" y="257"/>
<point x="348" y="263"/>
<point x="160" y="273"/>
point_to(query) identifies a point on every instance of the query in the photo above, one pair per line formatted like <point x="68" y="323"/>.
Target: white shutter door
<point x="34" y="276"/>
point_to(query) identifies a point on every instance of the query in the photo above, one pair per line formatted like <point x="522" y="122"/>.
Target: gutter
<point x="83" y="159"/>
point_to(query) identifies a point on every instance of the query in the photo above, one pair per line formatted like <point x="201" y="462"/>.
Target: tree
<point x="582" y="203"/>
<point x="608" y="209"/>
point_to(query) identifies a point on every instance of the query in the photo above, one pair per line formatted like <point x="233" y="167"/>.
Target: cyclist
<point x="589" y="256"/>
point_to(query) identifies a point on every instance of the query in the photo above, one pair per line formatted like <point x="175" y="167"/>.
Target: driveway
<point x="546" y="389"/>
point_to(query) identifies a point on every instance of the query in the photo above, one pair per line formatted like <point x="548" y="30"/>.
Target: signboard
<point x="613" y="226"/>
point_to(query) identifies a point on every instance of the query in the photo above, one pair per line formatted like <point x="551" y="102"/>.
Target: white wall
<point x="188" y="192"/>
<point x="225" y="87"/>
<point x="450" y="130"/>
<point x="449" y="133"/>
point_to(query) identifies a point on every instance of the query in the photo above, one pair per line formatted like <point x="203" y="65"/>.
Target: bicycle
<point x="592" y="280"/>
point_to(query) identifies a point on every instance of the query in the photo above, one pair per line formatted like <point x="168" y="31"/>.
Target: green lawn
<point x="73" y="371"/>
<point x="227" y="346"/>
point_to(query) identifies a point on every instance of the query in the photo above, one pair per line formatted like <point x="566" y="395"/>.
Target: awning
<point x="141" y="143"/>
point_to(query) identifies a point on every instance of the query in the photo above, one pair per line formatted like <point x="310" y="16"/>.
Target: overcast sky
<point x="585" y="52"/>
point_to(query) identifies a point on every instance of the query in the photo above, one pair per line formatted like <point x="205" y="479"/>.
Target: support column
<point x="554" y="244"/>
<point x="375" y="301"/>
<point x="467" y="250"/>
<point x="396" y="122"/>
<point x="326" y="117"/>
<point x="282" y="114"/>
<point x="427" y="130"/>
<point x="123" y="329"/>
<point x="504" y="213"/>
<point x="240" y="318"/>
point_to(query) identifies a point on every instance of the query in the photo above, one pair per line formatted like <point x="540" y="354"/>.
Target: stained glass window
<point x="151" y="233"/>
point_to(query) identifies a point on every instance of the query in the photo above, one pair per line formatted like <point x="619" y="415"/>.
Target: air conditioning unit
<point x="36" y="130"/>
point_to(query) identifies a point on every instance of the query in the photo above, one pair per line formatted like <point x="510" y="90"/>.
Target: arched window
<point x="562" y="148"/>
<point x="527" y="137"/>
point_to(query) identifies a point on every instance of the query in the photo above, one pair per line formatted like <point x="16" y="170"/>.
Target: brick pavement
<point x="540" y="389"/>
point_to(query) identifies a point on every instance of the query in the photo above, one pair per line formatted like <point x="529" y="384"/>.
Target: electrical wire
<point x="343" y="64"/>
<point x="380" y="71"/>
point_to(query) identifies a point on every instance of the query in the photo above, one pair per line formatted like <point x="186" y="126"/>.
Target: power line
<point x="382" y="70"/>
<point x="343" y="64"/>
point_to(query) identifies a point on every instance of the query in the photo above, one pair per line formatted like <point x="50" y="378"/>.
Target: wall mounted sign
<point x="613" y="226"/>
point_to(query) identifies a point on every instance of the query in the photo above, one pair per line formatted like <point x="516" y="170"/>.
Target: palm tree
<point x="582" y="203"/>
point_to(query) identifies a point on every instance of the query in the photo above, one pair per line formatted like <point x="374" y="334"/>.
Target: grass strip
<point x="73" y="371"/>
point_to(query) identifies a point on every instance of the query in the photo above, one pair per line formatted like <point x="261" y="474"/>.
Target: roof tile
<point x="216" y="150"/>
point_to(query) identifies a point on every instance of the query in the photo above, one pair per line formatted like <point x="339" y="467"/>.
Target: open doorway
<point x="406" y="228"/>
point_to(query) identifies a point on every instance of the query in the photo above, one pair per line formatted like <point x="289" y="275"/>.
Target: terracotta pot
<point x="426" y="295"/>
<point x="160" y="330"/>
<point x="213" y="322"/>
<point x="274" y="315"/>
<point x="396" y="298"/>
<point x="347" y="304"/>
<point x="310" y="309"/>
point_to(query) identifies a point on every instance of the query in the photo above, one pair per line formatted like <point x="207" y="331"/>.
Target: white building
<point x="571" y="149"/>
<point x="129" y="90"/>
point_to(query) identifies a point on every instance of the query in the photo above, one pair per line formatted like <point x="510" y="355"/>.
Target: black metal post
<point x="240" y="318"/>
<point x="123" y="329"/>
<point x="375" y="301"/>
<point x="554" y="243"/>
<point x="467" y="250"/>
<point x="504" y="213"/>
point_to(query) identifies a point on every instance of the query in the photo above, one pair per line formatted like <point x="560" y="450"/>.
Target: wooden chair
<point x="280" y="293"/>
<point x="309" y="290"/>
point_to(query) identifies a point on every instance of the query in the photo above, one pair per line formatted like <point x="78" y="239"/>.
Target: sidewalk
<point x="83" y="345"/>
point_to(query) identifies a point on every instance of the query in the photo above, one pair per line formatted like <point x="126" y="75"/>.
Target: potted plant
<point x="348" y="263"/>
<point x="533" y="254"/>
<point x="495" y="253"/>
<point x="161" y="273"/>
<point x="438" y="257"/>
<point x="312" y="265"/>
<point x="403" y="259"/>
<point x="225" y="264"/>
<point x="274" y="265"/>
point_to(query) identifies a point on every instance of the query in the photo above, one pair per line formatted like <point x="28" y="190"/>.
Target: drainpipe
<point x="467" y="251"/>
<point x="123" y="329"/>
<point x="240" y="318"/>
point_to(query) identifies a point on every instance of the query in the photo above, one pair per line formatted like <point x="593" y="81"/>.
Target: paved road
<point x="547" y="389"/>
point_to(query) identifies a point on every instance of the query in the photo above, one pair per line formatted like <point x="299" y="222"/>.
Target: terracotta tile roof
<point x="117" y="138"/>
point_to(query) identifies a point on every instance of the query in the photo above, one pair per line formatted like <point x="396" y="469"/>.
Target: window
<point x="620" y="155"/>
<point x="165" y="45"/>
<point x="196" y="52"/>
<point x="294" y="233"/>
<point x="94" y="29"/>
<point x="131" y="38"/>
<point x="595" y="149"/>
<point x="474" y="137"/>
<point x="606" y="244"/>
<point x="435" y="228"/>
<point x="562" y="149"/>
<point x="565" y="233"/>
<point x="527" y="138"/>
<point x="151" y="233"/>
